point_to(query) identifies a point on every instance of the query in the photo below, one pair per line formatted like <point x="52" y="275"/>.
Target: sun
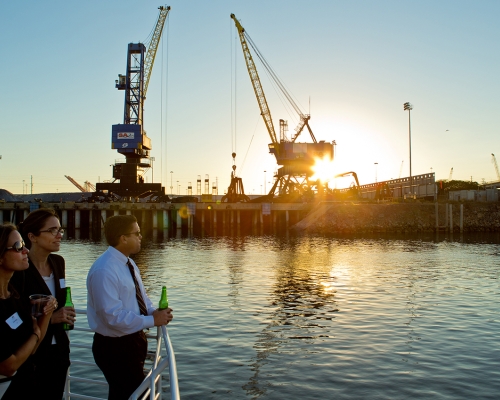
<point x="323" y="169"/>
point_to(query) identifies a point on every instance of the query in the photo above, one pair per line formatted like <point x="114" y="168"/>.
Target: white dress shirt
<point x="112" y="308"/>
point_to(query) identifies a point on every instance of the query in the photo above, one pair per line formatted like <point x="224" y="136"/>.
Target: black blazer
<point x="30" y="282"/>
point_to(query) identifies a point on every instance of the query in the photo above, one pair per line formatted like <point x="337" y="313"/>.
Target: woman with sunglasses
<point x="20" y="332"/>
<point x="42" y="232"/>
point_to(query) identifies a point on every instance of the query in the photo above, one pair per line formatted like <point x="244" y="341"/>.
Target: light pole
<point x="376" y="164"/>
<point x="178" y="187"/>
<point x="408" y="107"/>
<point x="171" y="186"/>
<point x="264" y="182"/>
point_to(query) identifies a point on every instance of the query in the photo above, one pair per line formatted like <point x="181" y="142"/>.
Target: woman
<point x="42" y="233"/>
<point x="19" y="331"/>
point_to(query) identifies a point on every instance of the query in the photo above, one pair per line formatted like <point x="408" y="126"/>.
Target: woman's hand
<point x="51" y="306"/>
<point x="64" y="315"/>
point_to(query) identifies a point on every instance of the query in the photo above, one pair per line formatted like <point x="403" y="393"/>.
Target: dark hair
<point x="34" y="222"/>
<point x="116" y="226"/>
<point x="5" y="230"/>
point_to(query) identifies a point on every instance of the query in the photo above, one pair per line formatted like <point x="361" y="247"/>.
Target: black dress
<point x="16" y="327"/>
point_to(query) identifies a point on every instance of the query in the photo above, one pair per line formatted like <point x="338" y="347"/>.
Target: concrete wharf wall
<point x="86" y="220"/>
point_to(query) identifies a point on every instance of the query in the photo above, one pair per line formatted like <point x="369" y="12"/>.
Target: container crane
<point x="130" y="138"/>
<point x="295" y="160"/>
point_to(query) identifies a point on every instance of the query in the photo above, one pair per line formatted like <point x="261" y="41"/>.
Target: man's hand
<point x="162" y="317"/>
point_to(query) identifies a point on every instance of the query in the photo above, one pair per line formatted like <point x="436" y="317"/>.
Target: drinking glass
<point x="38" y="302"/>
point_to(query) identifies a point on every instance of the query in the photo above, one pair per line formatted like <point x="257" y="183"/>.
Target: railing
<point x="150" y="388"/>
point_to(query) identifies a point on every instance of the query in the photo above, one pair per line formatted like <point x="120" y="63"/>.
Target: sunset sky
<point x="350" y="64"/>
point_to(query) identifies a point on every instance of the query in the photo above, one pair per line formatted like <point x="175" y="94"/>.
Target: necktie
<point x="140" y="300"/>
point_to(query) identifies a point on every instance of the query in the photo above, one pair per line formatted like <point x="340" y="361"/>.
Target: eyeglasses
<point x="138" y="233"/>
<point x="18" y="246"/>
<point x="54" y="231"/>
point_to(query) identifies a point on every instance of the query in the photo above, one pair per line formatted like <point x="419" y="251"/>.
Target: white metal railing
<point x="150" y="388"/>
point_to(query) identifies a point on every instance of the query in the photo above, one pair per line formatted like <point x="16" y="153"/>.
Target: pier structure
<point x="422" y="186"/>
<point x="86" y="220"/>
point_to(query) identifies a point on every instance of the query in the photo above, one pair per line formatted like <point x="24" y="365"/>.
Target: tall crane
<point x="494" y="161"/>
<point x="130" y="138"/>
<point x="295" y="159"/>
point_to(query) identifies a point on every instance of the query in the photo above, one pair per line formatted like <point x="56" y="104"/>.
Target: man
<point x="118" y="309"/>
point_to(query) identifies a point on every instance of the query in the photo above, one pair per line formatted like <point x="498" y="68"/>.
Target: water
<point x="324" y="318"/>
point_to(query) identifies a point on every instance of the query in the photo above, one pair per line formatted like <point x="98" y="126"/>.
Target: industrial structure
<point x="130" y="138"/>
<point x="294" y="159"/>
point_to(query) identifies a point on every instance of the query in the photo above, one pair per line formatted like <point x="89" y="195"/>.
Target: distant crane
<point x="451" y="174"/>
<point x="401" y="168"/>
<point x="88" y="187"/>
<point x="494" y="161"/>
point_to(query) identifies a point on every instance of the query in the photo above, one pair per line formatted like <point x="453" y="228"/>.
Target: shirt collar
<point x="118" y="254"/>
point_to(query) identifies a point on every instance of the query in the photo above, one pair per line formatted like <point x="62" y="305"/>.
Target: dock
<point x="86" y="220"/>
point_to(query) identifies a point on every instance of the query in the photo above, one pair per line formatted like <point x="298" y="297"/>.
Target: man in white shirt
<point x="118" y="309"/>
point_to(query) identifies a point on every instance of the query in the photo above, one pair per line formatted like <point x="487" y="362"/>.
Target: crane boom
<point x="257" y="86"/>
<point x="80" y="187"/>
<point x="153" y="46"/>
<point x="494" y="161"/>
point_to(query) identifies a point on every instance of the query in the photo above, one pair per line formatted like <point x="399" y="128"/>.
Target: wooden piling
<point x="461" y="218"/>
<point x="451" y="217"/>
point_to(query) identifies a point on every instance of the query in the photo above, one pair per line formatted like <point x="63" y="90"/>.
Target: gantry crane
<point x="494" y="161"/>
<point x="130" y="138"/>
<point x="295" y="160"/>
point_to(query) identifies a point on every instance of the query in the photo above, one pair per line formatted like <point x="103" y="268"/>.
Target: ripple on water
<point x="317" y="317"/>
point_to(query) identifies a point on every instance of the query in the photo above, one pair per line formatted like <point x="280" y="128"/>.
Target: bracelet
<point x="37" y="337"/>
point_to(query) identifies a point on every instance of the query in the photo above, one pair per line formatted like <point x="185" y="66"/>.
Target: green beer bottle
<point x="163" y="301"/>
<point x="68" y="303"/>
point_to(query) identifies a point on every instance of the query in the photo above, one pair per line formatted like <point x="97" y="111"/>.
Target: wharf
<point x="86" y="220"/>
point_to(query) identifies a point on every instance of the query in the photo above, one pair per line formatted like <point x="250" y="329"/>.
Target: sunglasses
<point x="18" y="246"/>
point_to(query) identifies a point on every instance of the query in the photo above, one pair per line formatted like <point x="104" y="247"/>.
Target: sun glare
<point x="323" y="170"/>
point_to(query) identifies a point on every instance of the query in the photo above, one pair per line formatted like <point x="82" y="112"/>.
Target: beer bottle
<point x="68" y="303"/>
<point x="163" y="301"/>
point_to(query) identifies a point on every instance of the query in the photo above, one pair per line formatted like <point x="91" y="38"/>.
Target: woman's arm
<point x="9" y="366"/>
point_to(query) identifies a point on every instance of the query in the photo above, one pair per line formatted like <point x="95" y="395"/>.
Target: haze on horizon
<point x="352" y="65"/>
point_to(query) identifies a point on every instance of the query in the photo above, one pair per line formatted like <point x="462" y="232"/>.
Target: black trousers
<point x="121" y="360"/>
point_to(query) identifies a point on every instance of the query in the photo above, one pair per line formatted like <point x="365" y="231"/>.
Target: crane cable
<point x="162" y="110"/>
<point x="274" y="76"/>
<point x="233" y="90"/>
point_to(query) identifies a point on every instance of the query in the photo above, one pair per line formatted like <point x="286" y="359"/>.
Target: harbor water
<point x="300" y="317"/>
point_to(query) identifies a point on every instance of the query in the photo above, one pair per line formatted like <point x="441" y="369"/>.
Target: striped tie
<point x="140" y="300"/>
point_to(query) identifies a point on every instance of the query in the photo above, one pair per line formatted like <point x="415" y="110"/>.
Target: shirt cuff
<point x="149" y="322"/>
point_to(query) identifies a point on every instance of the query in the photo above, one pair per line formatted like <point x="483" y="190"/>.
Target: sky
<point x="350" y="64"/>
